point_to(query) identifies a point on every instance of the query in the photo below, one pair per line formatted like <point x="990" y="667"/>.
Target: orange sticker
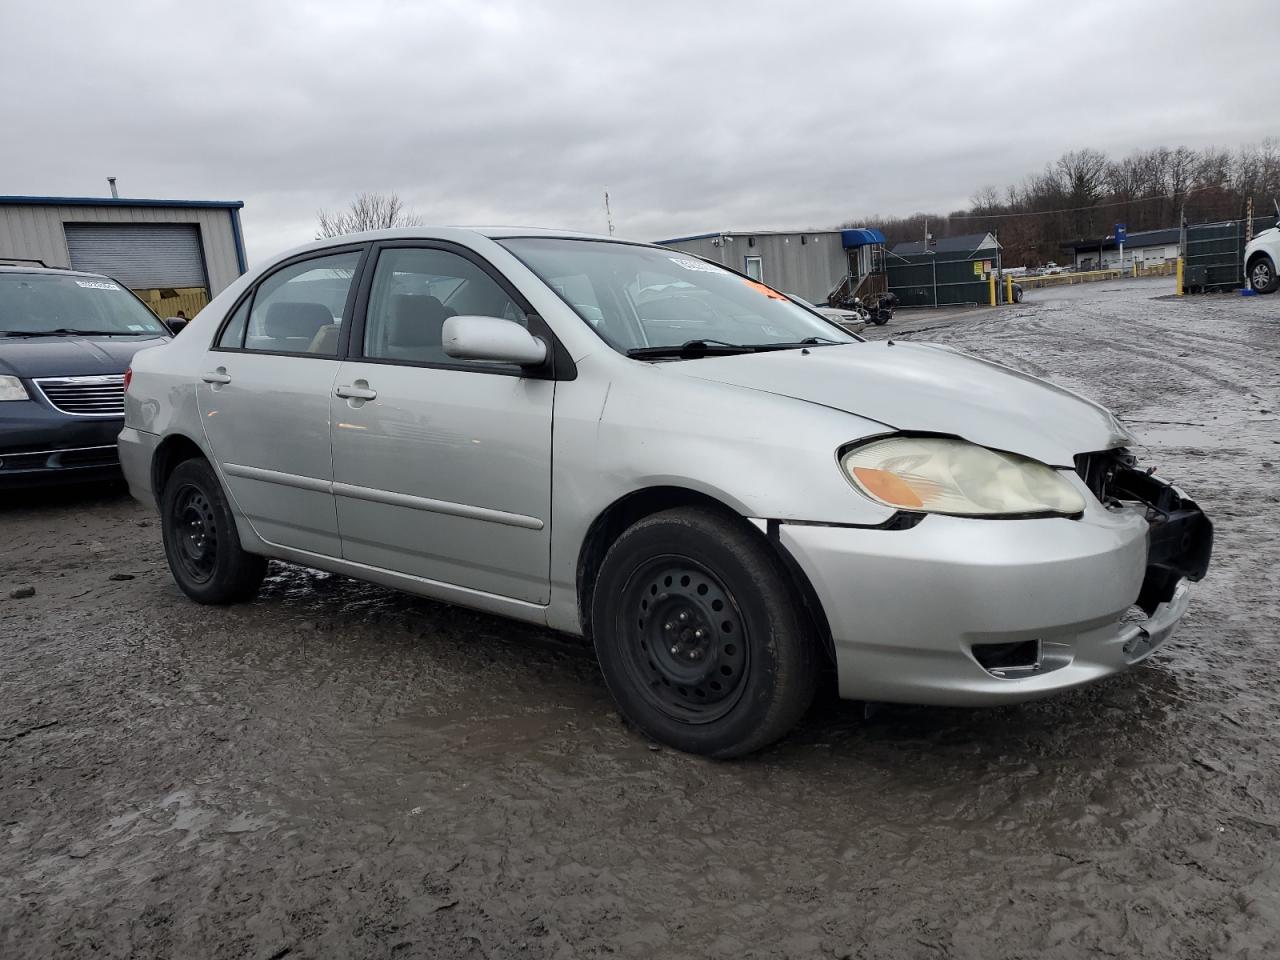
<point x="761" y="288"/>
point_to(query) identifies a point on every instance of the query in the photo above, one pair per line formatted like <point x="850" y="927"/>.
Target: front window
<point x="639" y="298"/>
<point x="415" y="290"/>
<point x="51" y="304"/>
<point x="299" y="308"/>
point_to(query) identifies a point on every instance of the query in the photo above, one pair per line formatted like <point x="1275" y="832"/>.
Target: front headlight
<point x="11" y="388"/>
<point x="942" y="475"/>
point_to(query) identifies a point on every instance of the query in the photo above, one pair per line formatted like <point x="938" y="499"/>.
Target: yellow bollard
<point x="1179" y="268"/>
<point x="1008" y="288"/>
<point x="991" y="279"/>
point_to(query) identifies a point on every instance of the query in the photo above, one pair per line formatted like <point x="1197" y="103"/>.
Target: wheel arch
<point x="638" y="504"/>
<point x="1259" y="254"/>
<point x="171" y="451"/>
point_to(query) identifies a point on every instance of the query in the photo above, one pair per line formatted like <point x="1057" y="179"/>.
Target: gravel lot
<point x="340" y="771"/>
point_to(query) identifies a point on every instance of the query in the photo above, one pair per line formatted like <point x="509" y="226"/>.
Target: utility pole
<point x="608" y="214"/>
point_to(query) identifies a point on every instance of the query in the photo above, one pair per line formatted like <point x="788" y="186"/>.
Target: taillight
<point x="128" y="378"/>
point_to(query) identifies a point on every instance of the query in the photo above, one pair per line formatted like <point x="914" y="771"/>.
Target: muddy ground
<point x="340" y="771"/>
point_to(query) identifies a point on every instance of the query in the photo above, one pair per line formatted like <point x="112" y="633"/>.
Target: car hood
<point x="928" y="388"/>
<point x="70" y="356"/>
<point x="1265" y="236"/>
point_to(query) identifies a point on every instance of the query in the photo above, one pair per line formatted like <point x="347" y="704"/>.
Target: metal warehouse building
<point x="812" y="265"/>
<point x="175" y="254"/>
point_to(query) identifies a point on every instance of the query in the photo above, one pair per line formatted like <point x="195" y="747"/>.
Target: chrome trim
<point x="102" y="391"/>
<point x="446" y="507"/>
<point x="388" y="497"/>
<point x="46" y="453"/>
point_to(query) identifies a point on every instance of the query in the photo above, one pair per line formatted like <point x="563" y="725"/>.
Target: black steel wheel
<point x="699" y="633"/>
<point x="200" y="538"/>
<point x="197" y="533"/>
<point x="688" y="653"/>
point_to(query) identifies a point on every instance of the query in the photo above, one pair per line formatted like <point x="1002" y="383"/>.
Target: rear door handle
<point x="356" y="392"/>
<point x="216" y="376"/>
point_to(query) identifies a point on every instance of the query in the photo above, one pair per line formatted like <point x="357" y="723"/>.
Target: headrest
<point x="416" y="320"/>
<point x="296" y="319"/>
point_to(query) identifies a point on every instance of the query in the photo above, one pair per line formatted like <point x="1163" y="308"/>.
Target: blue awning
<point x="860" y="237"/>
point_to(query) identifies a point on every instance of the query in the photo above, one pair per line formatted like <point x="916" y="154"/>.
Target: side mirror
<point x="493" y="339"/>
<point x="175" y="324"/>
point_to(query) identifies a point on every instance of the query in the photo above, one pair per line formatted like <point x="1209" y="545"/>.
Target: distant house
<point x="948" y="271"/>
<point x="969" y="243"/>
<point x="1146" y="247"/>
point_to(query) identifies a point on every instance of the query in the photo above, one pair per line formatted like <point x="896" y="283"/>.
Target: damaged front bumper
<point x="965" y="612"/>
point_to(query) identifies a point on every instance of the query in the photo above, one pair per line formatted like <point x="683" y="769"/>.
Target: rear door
<point x="441" y="468"/>
<point x="264" y="398"/>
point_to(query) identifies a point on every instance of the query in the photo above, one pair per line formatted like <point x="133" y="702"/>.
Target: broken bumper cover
<point x="967" y="612"/>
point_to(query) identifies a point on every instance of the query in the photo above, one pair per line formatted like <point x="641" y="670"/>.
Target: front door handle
<point x="216" y="376"/>
<point x="356" y="391"/>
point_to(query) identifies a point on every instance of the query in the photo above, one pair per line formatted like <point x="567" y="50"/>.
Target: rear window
<point x="45" y="303"/>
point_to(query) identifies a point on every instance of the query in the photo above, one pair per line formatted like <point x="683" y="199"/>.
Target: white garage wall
<point x="36" y="232"/>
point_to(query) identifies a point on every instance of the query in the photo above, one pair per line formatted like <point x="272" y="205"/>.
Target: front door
<point x="264" y="395"/>
<point x="441" y="468"/>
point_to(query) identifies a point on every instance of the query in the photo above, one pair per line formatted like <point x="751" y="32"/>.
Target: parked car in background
<point x="725" y="503"/>
<point x="1261" y="255"/>
<point x="66" y="339"/>
<point x="851" y="320"/>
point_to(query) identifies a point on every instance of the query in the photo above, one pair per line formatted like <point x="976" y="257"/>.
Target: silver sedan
<point x="725" y="492"/>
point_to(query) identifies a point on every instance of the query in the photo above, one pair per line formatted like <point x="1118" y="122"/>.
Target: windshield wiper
<point x="806" y="342"/>
<point x="71" y="332"/>
<point x="692" y="348"/>
<point x="720" y="348"/>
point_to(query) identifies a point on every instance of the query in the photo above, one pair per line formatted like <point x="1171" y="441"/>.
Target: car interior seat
<point x="416" y="327"/>
<point x="294" y="325"/>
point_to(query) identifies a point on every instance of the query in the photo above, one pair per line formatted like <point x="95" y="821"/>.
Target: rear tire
<point x="200" y="538"/>
<point x="700" y="636"/>
<point x="1262" y="275"/>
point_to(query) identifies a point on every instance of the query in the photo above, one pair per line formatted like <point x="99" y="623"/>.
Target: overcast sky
<point x="695" y="116"/>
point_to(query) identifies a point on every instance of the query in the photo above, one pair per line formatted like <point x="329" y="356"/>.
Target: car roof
<point x="443" y="232"/>
<point x="7" y="269"/>
<point x="462" y="235"/>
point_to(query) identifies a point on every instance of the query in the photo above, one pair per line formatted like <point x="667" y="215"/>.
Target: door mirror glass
<point x="493" y="339"/>
<point x="175" y="324"/>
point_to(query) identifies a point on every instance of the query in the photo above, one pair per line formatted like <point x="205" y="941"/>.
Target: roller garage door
<point x="142" y="256"/>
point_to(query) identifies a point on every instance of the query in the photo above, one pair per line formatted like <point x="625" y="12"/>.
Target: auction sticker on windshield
<point x="697" y="265"/>
<point x="97" y="284"/>
<point x="761" y="288"/>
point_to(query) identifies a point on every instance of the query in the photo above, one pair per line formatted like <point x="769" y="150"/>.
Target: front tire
<point x="200" y="539"/>
<point x="1262" y="275"/>
<point x="699" y="634"/>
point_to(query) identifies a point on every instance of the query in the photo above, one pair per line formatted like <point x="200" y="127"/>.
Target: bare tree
<point x="1084" y="193"/>
<point x="369" y="211"/>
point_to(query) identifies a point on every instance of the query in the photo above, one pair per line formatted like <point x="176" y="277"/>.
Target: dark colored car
<point x="66" y="339"/>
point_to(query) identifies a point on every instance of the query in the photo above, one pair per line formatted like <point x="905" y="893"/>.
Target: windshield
<point x="45" y="304"/>
<point x="643" y="297"/>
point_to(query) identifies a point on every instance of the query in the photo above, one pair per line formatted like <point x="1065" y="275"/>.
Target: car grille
<point x="85" y="396"/>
